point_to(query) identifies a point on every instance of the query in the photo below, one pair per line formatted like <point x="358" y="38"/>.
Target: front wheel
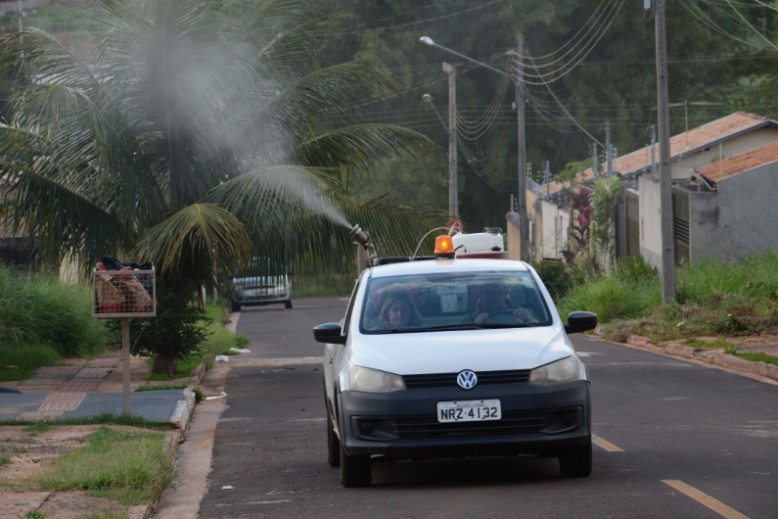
<point x="288" y="304"/>
<point x="576" y="462"/>
<point x="333" y="446"/>
<point x="354" y="470"/>
<point x="234" y="306"/>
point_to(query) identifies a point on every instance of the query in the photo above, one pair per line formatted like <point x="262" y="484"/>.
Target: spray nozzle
<point x="360" y="236"/>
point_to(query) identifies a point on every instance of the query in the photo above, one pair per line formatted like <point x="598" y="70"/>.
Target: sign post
<point x="124" y="293"/>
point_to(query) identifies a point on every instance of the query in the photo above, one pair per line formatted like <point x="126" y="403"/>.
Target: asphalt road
<point x="673" y="439"/>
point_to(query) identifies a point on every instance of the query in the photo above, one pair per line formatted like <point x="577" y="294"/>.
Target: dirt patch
<point x="24" y="451"/>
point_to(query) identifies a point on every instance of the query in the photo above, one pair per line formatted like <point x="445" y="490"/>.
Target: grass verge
<point x="129" y="467"/>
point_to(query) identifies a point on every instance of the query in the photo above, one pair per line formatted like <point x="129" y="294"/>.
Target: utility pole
<point x="595" y="161"/>
<point x="665" y="174"/>
<point x="453" y="201"/>
<point x="522" y="146"/>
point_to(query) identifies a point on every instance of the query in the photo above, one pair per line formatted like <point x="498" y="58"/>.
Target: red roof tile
<point x="681" y="144"/>
<point x="751" y="159"/>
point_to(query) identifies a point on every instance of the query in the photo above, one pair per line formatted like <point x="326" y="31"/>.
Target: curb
<point x="712" y="357"/>
<point x="179" y="419"/>
<point x="183" y="411"/>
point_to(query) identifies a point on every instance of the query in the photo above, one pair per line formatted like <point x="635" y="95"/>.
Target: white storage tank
<point x="487" y="244"/>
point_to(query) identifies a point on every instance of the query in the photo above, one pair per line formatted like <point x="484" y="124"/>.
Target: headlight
<point x="565" y="370"/>
<point x="374" y="381"/>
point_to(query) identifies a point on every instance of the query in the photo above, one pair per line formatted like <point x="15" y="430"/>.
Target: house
<point x="729" y="207"/>
<point x="709" y="153"/>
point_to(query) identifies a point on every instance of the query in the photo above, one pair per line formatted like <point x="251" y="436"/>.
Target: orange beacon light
<point x="444" y="247"/>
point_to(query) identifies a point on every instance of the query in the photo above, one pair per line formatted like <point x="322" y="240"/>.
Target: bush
<point x="612" y="298"/>
<point x="176" y="333"/>
<point x="557" y="277"/>
<point x="38" y="309"/>
<point x="635" y="270"/>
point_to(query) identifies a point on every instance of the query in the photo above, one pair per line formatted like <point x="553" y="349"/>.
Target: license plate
<point x="469" y="411"/>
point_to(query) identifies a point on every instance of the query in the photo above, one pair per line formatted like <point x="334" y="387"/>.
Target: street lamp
<point x="451" y="129"/>
<point x="521" y="133"/>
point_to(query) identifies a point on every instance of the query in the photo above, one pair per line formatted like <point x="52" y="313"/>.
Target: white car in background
<point x="450" y="383"/>
<point x="262" y="282"/>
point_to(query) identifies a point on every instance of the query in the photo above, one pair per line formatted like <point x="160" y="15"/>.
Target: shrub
<point x="175" y="333"/>
<point x="557" y="277"/>
<point x="38" y="309"/>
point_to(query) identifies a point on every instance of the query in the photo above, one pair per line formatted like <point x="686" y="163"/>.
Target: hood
<point x="451" y="352"/>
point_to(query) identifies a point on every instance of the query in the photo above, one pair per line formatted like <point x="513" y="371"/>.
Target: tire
<point x="234" y="306"/>
<point x="333" y="446"/>
<point x="288" y="304"/>
<point x="354" y="470"/>
<point x="576" y="462"/>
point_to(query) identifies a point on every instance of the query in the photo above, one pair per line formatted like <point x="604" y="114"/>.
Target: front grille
<point x="515" y="376"/>
<point x="513" y="423"/>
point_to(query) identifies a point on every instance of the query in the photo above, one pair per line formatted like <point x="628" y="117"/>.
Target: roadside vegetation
<point x="125" y="464"/>
<point x="42" y="322"/>
<point x="217" y="341"/>
<point x="719" y="300"/>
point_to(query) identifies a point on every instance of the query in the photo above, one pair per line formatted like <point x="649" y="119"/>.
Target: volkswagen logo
<point x="467" y="379"/>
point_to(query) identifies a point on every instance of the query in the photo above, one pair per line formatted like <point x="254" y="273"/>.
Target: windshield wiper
<point x="503" y="325"/>
<point x="451" y="327"/>
<point x="475" y="326"/>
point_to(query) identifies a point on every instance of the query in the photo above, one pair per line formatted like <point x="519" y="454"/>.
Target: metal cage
<point x="124" y="293"/>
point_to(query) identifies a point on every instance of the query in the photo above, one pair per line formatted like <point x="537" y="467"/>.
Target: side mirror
<point x="330" y="333"/>
<point x="580" y="322"/>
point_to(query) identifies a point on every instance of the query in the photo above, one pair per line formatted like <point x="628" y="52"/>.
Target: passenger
<point x="495" y="301"/>
<point x="399" y="312"/>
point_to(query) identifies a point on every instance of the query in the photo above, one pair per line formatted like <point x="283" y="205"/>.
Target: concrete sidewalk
<point x="83" y="387"/>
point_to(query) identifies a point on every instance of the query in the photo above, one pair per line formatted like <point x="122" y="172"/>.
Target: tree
<point x="607" y="193"/>
<point x="200" y="125"/>
<point x="578" y="247"/>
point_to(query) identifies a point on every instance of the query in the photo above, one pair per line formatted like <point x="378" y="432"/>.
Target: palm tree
<point x="200" y="126"/>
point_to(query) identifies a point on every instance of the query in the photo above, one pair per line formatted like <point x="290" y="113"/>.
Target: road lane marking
<point x="606" y="445"/>
<point x="704" y="499"/>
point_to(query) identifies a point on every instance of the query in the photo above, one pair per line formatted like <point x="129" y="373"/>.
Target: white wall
<point x="650" y="221"/>
<point x="554" y="232"/>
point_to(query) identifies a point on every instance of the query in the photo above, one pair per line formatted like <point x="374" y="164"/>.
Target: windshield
<point x="261" y="266"/>
<point x="435" y="302"/>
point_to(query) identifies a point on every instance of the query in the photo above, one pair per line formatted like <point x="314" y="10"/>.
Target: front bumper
<point x="535" y="420"/>
<point x="261" y="296"/>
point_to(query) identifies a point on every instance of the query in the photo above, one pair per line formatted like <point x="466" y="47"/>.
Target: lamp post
<point x="521" y="133"/>
<point x="451" y="129"/>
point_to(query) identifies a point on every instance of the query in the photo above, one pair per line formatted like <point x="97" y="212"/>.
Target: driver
<point x="495" y="301"/>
